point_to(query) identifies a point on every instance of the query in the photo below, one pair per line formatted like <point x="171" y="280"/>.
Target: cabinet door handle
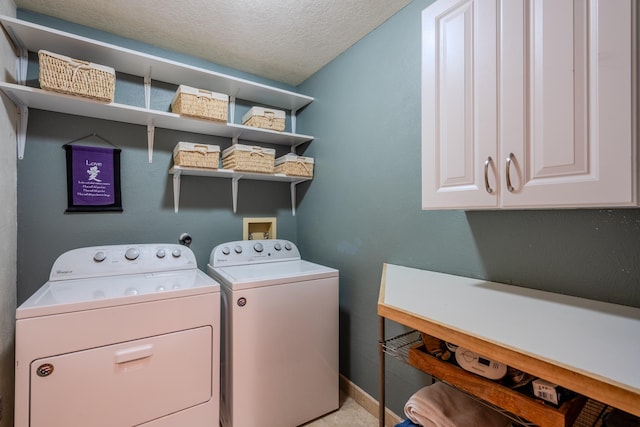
<point x="135" y="353"/>
<point x="508" y="173"/>
<point x="487" y="186"/>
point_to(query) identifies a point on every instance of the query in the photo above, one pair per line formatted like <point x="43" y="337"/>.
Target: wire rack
<point x="398" y="347"/>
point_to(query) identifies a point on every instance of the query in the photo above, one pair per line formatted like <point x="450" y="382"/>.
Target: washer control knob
<point x="131" y="292"/>
<point x="176" y="253"/>
<point x="237" y="249"/>
<point x="99" y="256"/>
<point x="258" y="247"/>
<point x="226" y="250"/>
<point x="287" y="246"/>
<point x="132" y="254"/>
<point x="161" y="253"/>
<point x="277" y="247"/>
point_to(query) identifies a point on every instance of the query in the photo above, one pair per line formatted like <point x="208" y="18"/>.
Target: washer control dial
<point x="161" y="253"/>
<point x="287" y="246"/>
<point x="226" y="250"/>
<point x="132" y="254"/>
<point x="176" y="253"/>
<point x="277" y="247"/>
<point x="99" y="256"/>
<point x="258" y="247"/>
<point x="237" y="249"/>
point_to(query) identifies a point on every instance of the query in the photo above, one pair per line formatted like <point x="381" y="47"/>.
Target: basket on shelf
<point x="189" y="154"/>
<point x="204" y="104"/>
<point x="63" y="74"/>
<point x="265" y="118"/>
<point x="249" y="158"/>
<point x="290" y="164"/>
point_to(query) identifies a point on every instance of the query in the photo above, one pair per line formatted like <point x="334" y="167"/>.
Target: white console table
<point x="590" y="347"/>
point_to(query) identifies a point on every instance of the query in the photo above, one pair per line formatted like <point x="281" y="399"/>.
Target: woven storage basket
<point x="204" y="104"/>
<point x="264" y="118"/>
<point x="248" y="158"/>
<point x="63" y="74"/>
<point x="290" y="164"/>
<point x="196" y="155"/>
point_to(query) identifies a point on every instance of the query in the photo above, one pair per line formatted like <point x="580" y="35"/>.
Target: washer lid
<point x="66" y="296"/>
<point x="256" y="275"/>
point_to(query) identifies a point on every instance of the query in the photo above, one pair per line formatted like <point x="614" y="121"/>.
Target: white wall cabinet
<point x="529" y="104"/>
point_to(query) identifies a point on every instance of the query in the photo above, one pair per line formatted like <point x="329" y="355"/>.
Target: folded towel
<point x="440" y="405"/>
<point x="407" y="423"/>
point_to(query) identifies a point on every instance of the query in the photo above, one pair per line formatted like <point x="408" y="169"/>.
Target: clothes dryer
<point x="120" y="335"/>
<point x="279" y="361"/>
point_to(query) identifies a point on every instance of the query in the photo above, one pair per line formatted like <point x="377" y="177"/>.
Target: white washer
<point x="120" y="335"/>
<point x="279" y="362"/>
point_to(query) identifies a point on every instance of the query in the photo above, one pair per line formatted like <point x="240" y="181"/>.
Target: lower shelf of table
<point x="522" y="409"/>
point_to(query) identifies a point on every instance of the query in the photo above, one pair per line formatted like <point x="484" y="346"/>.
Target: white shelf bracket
<point x="150" y="136"/>
<point x="232" y="109"/>
<point x="147" y="90"/>
<point x="293" y="121"/>
<point x="293" y="197"/>
<point x="23" y="62"/>
<point x="23" y="119"/>
<point x="176" y="190"/>
<point x="234" y="192"/>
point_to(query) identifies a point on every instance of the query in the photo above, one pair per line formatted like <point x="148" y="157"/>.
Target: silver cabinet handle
<point x="508" y="173"/>
<point x="487" y="186"/>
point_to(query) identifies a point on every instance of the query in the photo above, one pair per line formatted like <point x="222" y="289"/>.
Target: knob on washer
<point x="258" y="247"/>
<point x="99" y="256"/>
<point x="132" y="254"/>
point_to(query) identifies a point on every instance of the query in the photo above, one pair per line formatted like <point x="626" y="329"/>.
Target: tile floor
<point x="349" y="414"/>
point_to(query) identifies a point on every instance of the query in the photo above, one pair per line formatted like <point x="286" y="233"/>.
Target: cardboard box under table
<point x="249" y="158"/>
<point x="265" y="118"/>
<point x="290" y="164"/>
<point x="59" y="73"/>
<point x="204" y="104"/>
<point x="193" y="155"/>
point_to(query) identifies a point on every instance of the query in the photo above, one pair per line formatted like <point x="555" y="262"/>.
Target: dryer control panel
<point x="244" y="252"/>
<point x="113" y="260"/>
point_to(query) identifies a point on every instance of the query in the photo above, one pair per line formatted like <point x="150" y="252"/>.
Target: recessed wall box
<point x="258" y="228"/>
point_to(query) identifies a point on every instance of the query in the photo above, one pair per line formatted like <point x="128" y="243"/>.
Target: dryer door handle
<point x="133" y="353"/>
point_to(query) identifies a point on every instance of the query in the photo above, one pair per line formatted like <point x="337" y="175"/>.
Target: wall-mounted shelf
<point x="178" y="171"/>
<point x="28" y="36"/>
<point x="53" y="101"/>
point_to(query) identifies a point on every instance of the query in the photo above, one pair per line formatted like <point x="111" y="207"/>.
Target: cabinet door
<point x="566" y="103"/>
<point x="459" y="122"/>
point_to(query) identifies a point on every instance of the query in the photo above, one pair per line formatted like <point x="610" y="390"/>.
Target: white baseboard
<point x="367" y="402"/>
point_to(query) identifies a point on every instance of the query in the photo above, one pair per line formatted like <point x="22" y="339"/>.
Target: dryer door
<point x="123" y="384"/>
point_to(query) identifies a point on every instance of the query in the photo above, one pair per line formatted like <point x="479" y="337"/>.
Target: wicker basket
<point x="196" y="155"/>
<point x="264" y="118"/>
<point x="63" y="74"/>
<point x="248" y="159"/>
<point x="291" y="164"/>
<point x="204" y="104"/>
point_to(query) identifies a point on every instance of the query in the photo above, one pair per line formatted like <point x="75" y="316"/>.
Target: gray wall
<point x="364" y="207"/>
<point x="8" y="225"/>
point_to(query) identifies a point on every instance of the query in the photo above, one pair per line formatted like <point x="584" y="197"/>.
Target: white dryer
<point x="122" y="335"/>
<point x="279" y="361"/>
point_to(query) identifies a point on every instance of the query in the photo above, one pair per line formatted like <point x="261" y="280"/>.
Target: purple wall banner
<point x="93" y="178"/>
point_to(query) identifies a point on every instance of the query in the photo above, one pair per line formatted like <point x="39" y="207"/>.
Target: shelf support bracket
<point x="147" y="90"/>
<point x="23" y="62"/>
<point x="234" y="192"/>
<point x="176" y="190"/>
<point x="150" y="136"/>
<point x="293" y="196"/>
<point x="293" y="121"/>
<point x="23" y="119"/>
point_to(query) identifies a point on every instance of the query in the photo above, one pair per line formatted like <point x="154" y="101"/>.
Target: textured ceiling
<point x="284" y="40"/>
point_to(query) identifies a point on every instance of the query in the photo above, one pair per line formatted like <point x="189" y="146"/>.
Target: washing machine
<point x="279" y="361"/>
<point x="120" y="336"/>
